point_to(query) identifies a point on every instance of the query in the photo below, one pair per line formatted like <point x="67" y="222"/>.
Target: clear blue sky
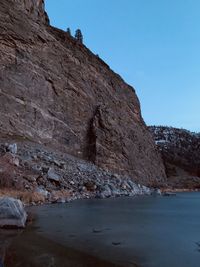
<point x="153" y="44"/>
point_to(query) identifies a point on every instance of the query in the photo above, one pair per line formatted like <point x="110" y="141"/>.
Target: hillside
<point x="55" y="92"/>
<point x="181" y="154"/>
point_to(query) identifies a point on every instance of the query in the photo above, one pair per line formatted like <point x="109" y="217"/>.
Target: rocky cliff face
<point x="56" y="92"/>
<point x="34" y="8"/>
<point x="181" y="153"/>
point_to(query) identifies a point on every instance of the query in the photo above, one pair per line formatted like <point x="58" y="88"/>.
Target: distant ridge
<point x="180" y="149"/>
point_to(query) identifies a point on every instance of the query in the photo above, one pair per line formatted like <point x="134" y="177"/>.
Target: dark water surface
<point x="151" y="231"/>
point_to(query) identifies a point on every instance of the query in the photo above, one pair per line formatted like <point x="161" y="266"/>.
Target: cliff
<point x="181" y="154"/>
<point x="57" y="93"/>
<point x="34" y="9"/>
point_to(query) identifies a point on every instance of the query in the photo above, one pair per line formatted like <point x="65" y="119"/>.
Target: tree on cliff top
<point x="79" y="36"/>
<point x="69" y="32"/>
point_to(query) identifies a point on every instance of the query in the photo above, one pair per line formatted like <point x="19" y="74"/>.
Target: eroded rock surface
<point x="34" y="8"/>
<point x="56" y="92"/>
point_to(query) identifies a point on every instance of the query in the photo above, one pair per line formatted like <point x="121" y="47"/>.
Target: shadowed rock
<point x="181" y="154"/>
<point x="12" y="213"/>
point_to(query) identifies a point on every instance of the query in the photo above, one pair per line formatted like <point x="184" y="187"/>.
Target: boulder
<point x="53" y="176"/>
<point x="105" y="191"/>
<point x="12" y="213"/>
<point x="12" y="148"/>
<point x="42" y="191"/>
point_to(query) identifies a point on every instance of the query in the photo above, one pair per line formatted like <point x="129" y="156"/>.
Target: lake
<point x="150" y="231"/>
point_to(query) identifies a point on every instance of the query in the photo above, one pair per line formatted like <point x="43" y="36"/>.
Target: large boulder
<point x="12" y="213"/>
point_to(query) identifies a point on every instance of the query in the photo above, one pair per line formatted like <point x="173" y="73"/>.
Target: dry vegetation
<point x="28" y="197"/>
<point x="25" y="197"/>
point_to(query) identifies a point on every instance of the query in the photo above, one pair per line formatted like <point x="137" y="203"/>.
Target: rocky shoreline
<point x="37" y="175"/>
<point x="179" y="190"/>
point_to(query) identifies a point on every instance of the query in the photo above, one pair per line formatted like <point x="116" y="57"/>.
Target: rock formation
<point x="34" y="8"/>
<point x="56" y="92"/>
<point x="12" y="213"/>
<point x="181" y="154"/>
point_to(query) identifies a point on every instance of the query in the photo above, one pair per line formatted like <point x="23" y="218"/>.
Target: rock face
<point x="55" y="91"/>
<point x="12" y="213"/>
<point x="34" y="8"/>
<point x="181" y="153"/>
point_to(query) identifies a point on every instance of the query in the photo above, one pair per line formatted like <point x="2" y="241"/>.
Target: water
<point x="149" y="231"/>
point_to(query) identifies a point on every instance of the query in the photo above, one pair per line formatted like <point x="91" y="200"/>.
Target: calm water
<point x="151" y="231"/>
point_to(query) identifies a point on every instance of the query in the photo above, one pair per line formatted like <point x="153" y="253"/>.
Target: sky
<point x="153" y="44"/>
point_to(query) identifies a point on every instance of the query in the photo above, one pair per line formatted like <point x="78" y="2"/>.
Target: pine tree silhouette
<point x="79" y="36"/>
<point x="69" y="32"/>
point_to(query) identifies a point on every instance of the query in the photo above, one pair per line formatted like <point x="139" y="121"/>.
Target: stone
<point x="105" y="191"/>
<point x="52" y="175"/>
<point x="131" y="184"/>
<point x="16" y="162"/>
<point x="42" y="191"/>
<point x="34" y="157"/>
<point x="155" y="192"/>
<point x="125" y="185"/>
<point x="56" y="162"/>
<point x="12" y="148"/>
<point x="12" y="213"/>
<point x="90" y="185"/>
<point x="82" y="188"/>
<point x="2" y="150"/>
<point x="45" y="169"/>
<point x="31" y="178"/>
<point x="36" y="168"/>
